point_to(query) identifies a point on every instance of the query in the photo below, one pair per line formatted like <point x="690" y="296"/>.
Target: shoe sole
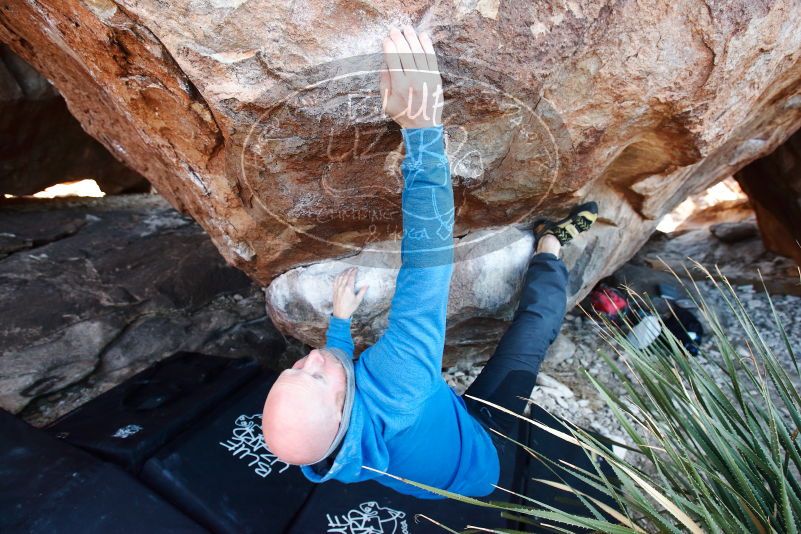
<point x="591" y="207"/>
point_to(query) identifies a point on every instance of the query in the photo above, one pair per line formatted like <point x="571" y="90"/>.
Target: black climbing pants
<point x="511" y="372"/>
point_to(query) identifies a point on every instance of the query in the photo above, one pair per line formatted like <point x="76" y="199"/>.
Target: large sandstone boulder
<point x="485" y="288"/>
<point x="253" y="116"/>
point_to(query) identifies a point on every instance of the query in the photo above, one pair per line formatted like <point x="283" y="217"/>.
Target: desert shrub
<point x="715" y="436"/>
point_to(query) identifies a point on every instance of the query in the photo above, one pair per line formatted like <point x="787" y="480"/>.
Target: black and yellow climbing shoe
<point x="579" y="220"/>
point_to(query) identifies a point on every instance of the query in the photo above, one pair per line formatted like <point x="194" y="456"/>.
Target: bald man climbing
<point x="391" y="411"/>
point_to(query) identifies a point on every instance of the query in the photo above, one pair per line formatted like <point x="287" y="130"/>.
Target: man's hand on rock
<point x="411" y="87"/>
<point x="346" y="299"/>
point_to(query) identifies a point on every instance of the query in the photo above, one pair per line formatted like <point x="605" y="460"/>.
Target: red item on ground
<point x="608" y="301"/>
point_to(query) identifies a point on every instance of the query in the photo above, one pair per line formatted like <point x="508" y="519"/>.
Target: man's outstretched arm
<point x="405" y="363"/>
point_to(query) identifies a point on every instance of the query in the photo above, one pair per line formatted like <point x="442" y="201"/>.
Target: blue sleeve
<point x="405" y="364"/>
<point x="338" y="335"/>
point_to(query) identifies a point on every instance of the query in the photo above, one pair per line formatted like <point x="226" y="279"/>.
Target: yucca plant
<point x="712" y="452"/>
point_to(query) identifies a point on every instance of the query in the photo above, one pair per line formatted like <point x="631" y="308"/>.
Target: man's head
<point x="303" y="410"/>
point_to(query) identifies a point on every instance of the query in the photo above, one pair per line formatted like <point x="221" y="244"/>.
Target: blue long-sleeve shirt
<point x="405" y="420"/>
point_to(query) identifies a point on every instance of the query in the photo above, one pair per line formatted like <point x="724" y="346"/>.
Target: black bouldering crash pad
<point x="369" y="507"/>
<point x="46" y="486"/>
<point x="558" y="451"/>
<point x="130" y="422"/>
<point x="221" y="473"/>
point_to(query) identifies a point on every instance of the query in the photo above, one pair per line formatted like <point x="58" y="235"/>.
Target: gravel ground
<point x="564" y="389"/>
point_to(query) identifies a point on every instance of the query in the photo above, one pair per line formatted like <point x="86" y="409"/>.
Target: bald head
<point x="303" y="410"/>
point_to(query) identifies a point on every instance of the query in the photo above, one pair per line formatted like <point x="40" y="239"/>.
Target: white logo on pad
<point x="247" y="443"/>
<point x="126" y="431"/>
<point x="368" y="518"/>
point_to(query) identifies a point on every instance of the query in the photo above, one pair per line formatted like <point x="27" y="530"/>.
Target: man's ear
<point x="340" y="401"/>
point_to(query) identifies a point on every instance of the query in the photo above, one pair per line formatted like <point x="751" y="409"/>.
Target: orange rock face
<point x="262" y="119"/>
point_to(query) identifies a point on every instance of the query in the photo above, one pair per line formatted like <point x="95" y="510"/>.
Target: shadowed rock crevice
<point x="773" y="185"/>
<point x="29" y="231"/>
<point x="43" y="144"/>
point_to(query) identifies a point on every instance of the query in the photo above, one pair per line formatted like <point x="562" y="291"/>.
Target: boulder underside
<point x="262" y="119"/>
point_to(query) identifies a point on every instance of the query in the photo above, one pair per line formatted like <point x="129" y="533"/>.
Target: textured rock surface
<point x="573" y="363"/>
<point x="41" y="143"/>
<point x="636" y="104"/>
<point x="92" y="293"/>
<point x="484" y="292"/>
<point x="773" y="185"/>
<point x="733" y="248"/>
